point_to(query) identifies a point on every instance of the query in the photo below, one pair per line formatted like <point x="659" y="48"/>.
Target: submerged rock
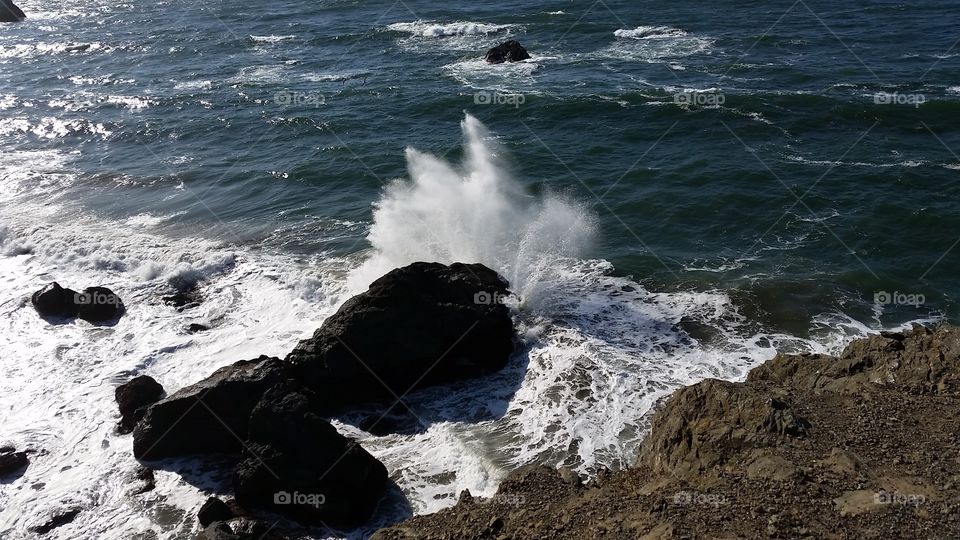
<point x="9" y="12"/>
<point x="508" y="51"/>
<point x="58" y="519"/>
<point x="209" y="416"/>
<point x="420" y="325"/>
<point x="297" y="464"/>
<point x="133" y="397"/>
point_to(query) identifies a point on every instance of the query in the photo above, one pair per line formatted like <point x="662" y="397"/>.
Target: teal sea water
<point x="676" y="189"/>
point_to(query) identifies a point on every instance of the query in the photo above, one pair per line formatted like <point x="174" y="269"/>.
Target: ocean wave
<point x="271" y="38"/>
<point x="439" y="30"/>
<point x="650" y="32"/>
<point x="30" y="50"/>
<point x="54" y="128"/>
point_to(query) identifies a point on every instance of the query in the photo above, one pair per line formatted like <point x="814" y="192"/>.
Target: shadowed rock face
<point x="9" y="12"/>
<point x="863" y="445"/>
<point x="12" y="462"/>
<point x="55" y="301"/>
<point x="294" y="452"/>
<point x="209" y="416"/>
<point x="420" y="325"/>
<point x="133" y="398"/>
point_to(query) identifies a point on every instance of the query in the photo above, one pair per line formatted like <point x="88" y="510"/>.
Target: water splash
<point x="474" y="212"/>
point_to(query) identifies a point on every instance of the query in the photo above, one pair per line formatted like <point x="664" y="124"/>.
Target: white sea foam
<point x="460" y="28"/>
<point x="656" y="44"/>
<point x="649" y="32"/>
<point x="422" y="36"/>
<point x="508" y="77"/>
<point x="272" y="38"/>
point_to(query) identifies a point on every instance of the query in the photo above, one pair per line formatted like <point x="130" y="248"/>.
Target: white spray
<point x="473" y="213"/>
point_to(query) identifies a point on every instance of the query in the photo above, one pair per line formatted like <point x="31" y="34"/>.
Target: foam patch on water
<point x="515" y="77"/>
<point x="655" y="44"/>
<point x="650" y="32"/>
<point x="272" y="38"/>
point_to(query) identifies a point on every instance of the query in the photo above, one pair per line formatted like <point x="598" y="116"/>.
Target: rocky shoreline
<point x="864" y="445"/>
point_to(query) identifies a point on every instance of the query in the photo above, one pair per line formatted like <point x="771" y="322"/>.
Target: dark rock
<point x="241" y="530"/>
<point x="214" y="510"/>
<point x="9" y="12"/>
<point x="207" y="417"/>
<point x="133" y="397"/>
<point x="508" y="51"/>
<point x="146" y="477"/>
<point x="55" y="301"/>
<point x="420" y="325"/>
<point x="57" y="520"/>
<point x="183" y="299"/>
<point x="298" y="465"/>
<point x="193" y="328"/>
<point x="99" y="304"/>
<point x="12" y="461"/>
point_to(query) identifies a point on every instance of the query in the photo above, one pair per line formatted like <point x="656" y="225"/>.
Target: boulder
<point x="214" y="510"/>
<point x="508" y="51"/>
<point x="12" y="462"/>
<point x="54" y="301"/>
<point x="99" y="304"/>
<point x="9" y="12"/>
<point x="210" y="416"/>
<point x="298" y="465"/>
<point x="420" y="325"/>
<point x="133" y="397"/>
<point x="94" y="304"/>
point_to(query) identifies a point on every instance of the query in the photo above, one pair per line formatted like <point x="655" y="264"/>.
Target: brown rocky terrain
<point x="864" y="445"/>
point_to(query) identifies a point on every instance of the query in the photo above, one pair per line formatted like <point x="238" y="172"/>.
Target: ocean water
<point x="675" y="192"/>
